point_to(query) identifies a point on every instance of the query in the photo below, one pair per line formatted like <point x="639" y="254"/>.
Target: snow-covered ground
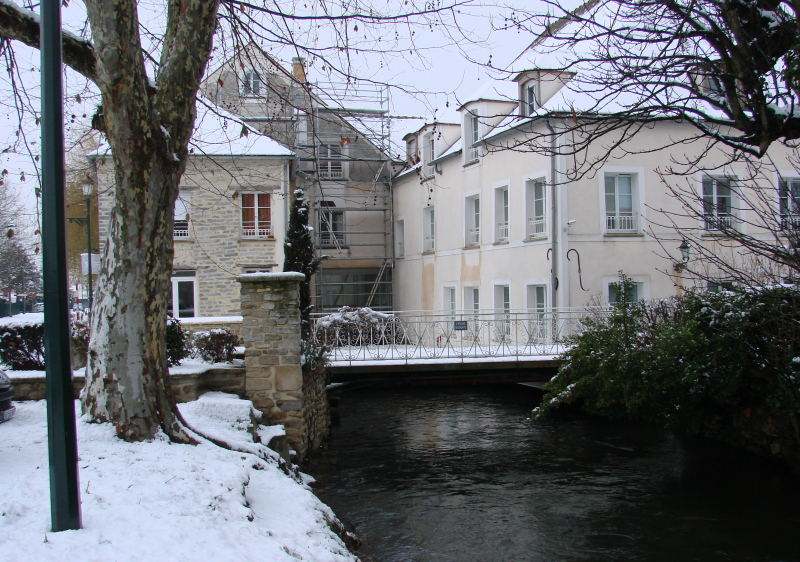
<point x="159" y="501"/>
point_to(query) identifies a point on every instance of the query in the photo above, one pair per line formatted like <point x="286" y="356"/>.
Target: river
<point x="455" y="474"/>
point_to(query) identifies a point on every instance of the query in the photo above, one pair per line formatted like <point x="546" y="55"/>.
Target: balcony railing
<point x="719" y="221"/>
<point x="409" y="336"/>
<point x="473" y="236"/>
<point x="181" y="229"/>
<point x="262" y="231"/>
<point x="331" y="239"/>
<point x="502" y="231"/>
<point x="537" y="227"/>
<point x="622" y="222"/>
<point x="429" y="244"/>
<point x="790" y="222"/>
<point x="331" y="169"/>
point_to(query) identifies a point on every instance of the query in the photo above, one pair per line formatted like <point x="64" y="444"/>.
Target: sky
<point x="430" y="68"/>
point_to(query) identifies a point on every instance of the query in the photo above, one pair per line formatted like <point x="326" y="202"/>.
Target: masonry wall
<point x="274" y="377"/>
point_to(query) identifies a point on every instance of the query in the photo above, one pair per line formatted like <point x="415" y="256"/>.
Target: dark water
<point x="456" y="474"/>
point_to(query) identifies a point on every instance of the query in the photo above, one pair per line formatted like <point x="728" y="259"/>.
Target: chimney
<point x="299" y="69"/>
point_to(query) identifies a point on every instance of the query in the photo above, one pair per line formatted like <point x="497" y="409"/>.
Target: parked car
<point x="7" y="409"/>
<point x="38" y="307"/>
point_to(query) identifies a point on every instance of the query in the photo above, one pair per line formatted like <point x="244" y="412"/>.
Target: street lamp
<point x="87" y="186"/>
<point x="685" y="248"/>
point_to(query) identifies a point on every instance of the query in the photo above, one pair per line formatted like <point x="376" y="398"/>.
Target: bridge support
<point x="274" y="379"/>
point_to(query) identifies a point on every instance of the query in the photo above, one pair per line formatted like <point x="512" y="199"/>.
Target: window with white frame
<point x="428" y="153"/>
<point x="251" y="83"/>
<point x="790" y="203"/>
<point x="182" y="208"/>
<point x="428" y="229"/>
<point x="259" y="269"/>
<point x="529" y="98"/>
<point x="501" y="214"/>
<point x="400" y="238"/>
<point x="449" y="301"/>
<point x="411" y="151"/>
<point x="256" y="215"/>
<point x="621" y="215"/>
<point x="537" y="305"/>
<point x="330" y="158"/>
<point x="502" y="309"/>
<point x="472" y="137"/>
<point x="536" y="208"/>
<point x="472" y="299"/>
<point x="472" y="221"/>
<point x="330" y="226"/>
<point x="718" y="204"/>
<point x="183" y="297"/>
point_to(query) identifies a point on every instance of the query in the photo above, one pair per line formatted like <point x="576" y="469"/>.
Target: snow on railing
<point x="354" y="335"/>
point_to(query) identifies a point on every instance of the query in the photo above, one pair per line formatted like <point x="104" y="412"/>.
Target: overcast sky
<point x="429" y="67"/>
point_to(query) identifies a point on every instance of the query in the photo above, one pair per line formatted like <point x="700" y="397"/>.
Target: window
<point x="354" y="287"/>
<point x="472" y="220"/>
<point x="502" y="308"/>
<point x="449" y="301"/>
<point x="717" y="203"/>
<point x="501" y="214"/>
<point x="719" y="285"/>
<point x="536" y="210"/>
<point x="790" y="203"/>
<point x="264" y="269"/>
<point x="472" y="299"/>
<point x="473" y="136"/>
<point x="529" y="100"/>
<point x="614" y="298"/>
<point x="400" y="238"/>
<point x="331" y="227"/>
<point x="619" y="192"/>
<point x="429" y="230"/>
<point x="331" y="163"/>
<point x="181" y="225"/>
<point x="184" y="295"/>
<point x="537" y="305"/>
<point x="256" y="215"/>
<point x="428" y="154"/>
<point x="251" y="83"/>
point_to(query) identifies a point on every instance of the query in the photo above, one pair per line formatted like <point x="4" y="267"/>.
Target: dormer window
<point x="529" y="99"/>
<point x="251" y="83"/>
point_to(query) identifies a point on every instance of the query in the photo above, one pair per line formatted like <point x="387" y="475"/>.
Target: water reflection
<point x="456" y="474"/>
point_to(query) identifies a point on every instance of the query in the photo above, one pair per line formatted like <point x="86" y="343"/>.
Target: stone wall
<point x="274" y="377"/>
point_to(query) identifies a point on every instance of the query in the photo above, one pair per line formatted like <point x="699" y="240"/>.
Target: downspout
<point x="554" y="215"/>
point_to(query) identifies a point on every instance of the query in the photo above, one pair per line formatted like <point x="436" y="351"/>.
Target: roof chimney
<point x="299" y="69"/>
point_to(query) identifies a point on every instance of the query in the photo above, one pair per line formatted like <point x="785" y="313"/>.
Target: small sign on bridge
<point x="460" y="325"/>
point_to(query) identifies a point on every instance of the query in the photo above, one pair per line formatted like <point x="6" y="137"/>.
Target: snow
<point x="278" y="276"/>
<point x="162" y="501"/>
<point x="27" y="319"/>
<point x="210" y="319"/>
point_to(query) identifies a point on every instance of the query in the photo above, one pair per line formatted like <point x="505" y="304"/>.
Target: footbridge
<point x="413" y="347"/>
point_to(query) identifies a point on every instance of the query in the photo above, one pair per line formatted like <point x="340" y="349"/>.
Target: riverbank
<point x="163" y="501"/>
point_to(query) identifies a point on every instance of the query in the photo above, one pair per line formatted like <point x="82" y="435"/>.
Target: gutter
<point x="554" y="214"/>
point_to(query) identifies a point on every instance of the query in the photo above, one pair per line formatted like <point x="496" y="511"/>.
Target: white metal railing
<point x="259" y="232"/>
<point x="502" y="230"/>
<point x="331" y="169"/>
<point x="331" y="239"/>
<point x="473" y="236"/>
<point x="472" y="154"/>
<point x="790" y="222"/>
<point x="181" y="229"/>
<point x="401" y="249"/>
<point x="627" y="222"/>
<point x="715" y="221"/>
<point x="430" y="244"/>
<point x="418" y="336"/>
<point x="537" y="227"/>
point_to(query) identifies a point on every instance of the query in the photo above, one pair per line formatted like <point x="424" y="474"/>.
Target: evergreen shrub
<point x="178" y="342"/>
<point x="217" y="346"/>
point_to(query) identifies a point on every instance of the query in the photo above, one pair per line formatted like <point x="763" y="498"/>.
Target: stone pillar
<point x="271" y="334"/>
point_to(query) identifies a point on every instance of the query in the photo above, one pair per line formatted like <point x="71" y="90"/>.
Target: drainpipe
<point x="554" y="214"/>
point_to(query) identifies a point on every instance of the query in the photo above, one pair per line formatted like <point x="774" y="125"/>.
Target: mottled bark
<point x="148" y="130"/>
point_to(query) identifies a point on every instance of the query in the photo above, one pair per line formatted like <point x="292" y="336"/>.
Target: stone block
<point x="290" y="405"/>
<point x="288" y="377"/>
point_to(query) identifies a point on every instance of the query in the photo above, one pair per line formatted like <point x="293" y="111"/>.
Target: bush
<point x="217" y="346"/>
<point x="358" y="326"/>
<point x="684" y="362"/>
<point x="178" y="342"/>
<point x="22" y="341"/>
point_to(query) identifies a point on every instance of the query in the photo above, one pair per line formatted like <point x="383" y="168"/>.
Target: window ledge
<point x="428" y="252"/>
<point x="472" y="162"/>
<point x="184" y="239"/>
<point x="472" y="247"/>
<point x="536" y="238"/>
<point x="614" y="234"/>
<point x="500" y="242"/>
<point x="713" y="234"/>
<point x="256" y="239"/>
